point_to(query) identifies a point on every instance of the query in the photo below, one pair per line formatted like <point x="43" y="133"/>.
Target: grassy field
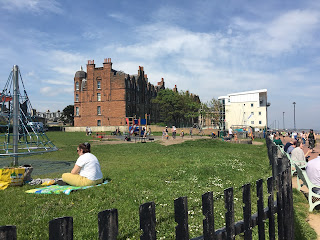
<point x="139" y="173"/>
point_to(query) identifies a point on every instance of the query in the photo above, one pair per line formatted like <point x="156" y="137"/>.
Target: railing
<point x="278" y="210"/>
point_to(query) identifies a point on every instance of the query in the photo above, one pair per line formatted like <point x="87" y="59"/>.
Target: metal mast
<point x="16" y="107"/>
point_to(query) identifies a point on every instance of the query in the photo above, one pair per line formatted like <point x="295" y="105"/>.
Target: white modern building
<point x="244" y="109"/>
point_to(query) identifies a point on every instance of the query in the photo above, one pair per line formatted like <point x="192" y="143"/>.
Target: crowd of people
<point x="295" y="149"/>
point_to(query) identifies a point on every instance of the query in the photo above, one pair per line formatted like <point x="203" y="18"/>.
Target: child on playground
<point x="86" y="171"/>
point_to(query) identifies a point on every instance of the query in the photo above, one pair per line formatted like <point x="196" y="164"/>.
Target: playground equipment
<point x="20" y="132"/>
<point x="137" y="126"/>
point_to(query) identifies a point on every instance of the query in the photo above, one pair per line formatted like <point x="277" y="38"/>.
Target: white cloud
<point x="35" y="6"/>
<point x="56" y="91"/>
<point x="59" y="82"/>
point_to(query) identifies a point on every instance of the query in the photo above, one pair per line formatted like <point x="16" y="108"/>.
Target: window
<point x="259" y="113"/>
<point x="252" y="122"/>
<point x="98" y="97"/>
<point x="77" y="85"/>
<point x="251" y="104"/>
<point x="77" y="111"/>
<point x="252" y="113"/>
<point x="77" y="98"/>
<point x="99" y="123"/>
<point x="99" y="110"/>
<point x="99" y="84"/>
<point x="260" y="122"/>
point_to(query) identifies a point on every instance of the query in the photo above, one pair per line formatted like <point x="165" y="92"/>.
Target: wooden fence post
<point x="147" y="214"/>
<point x="280" y="208"/>
<point x="290" y="201"/>
<point x="208" y="221"/>
<point x="228" y="200"/>
<point x="108" y="224"/>
<point x="271" y="217"/>
<point x="181" y="217"/>
<point x="61" y="229"/>
<point x="260" y="209"/>
<point x="246" y="199"/>
<point x="8" y="233"/>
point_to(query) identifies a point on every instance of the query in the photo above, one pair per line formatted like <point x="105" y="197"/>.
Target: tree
<point x="68" y="115"/>
<point x="211" y="110"/>
<point x="177" y="108"/>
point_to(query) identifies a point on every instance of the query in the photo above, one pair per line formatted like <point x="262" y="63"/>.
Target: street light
<point x="294" y="115"/>
<point x="283" y="121"/>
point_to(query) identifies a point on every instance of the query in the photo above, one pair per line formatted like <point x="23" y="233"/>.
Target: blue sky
<point x="211" y="48"/>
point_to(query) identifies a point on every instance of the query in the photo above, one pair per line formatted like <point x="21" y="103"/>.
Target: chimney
<point x="107" y="63"/>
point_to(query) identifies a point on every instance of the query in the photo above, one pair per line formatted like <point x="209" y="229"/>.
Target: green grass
<point x="303" y="231"/>
<point x="139" y="173"/>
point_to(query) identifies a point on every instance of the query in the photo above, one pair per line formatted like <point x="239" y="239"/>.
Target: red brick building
<point x="105" y="97"/>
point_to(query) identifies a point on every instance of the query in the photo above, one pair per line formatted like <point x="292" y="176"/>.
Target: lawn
<point x="138" y="173"/>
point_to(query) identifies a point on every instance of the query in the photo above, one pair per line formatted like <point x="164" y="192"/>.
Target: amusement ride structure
<point x="20" y="132"/>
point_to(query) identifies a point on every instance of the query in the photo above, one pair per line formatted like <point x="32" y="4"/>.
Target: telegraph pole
<point x="294" y="115"/>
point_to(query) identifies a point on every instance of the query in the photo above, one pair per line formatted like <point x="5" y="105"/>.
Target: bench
<point x="313" y="198"/>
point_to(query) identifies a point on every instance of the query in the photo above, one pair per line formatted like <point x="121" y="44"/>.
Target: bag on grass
<point x="13" y="176"/>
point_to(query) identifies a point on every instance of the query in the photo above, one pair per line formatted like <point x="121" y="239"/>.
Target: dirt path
<point x="312" y="219"/>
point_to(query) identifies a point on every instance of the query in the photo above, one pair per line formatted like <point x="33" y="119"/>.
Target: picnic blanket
<point x="57" y="189"/>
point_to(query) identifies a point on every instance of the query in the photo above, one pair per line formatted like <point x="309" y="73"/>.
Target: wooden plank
<point x="229" y="215"/>
<point x="8" y="233"/>
<point x="260" y="208"/>
<point x="61" y="229"/>
<point x="280" y="209"/>
<point x="181" y="217"/>
<point x="246" y="199"/>
<point x="272" y="235"/>
<point x="108" y="224"/>
<point x="147" y="214"/>
<point x="208" y="221"/>
<point x="290" y="200"/>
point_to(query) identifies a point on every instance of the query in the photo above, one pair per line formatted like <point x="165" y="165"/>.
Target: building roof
<point x="243" y="93"/>
<point x="80" y="74"/>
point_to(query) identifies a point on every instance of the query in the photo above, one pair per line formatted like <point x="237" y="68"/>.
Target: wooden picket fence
<point x="279" y="210"/>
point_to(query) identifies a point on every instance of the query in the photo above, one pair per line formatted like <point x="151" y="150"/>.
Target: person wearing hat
<point x="182" y="134"/>
<point x="86" y="171"/>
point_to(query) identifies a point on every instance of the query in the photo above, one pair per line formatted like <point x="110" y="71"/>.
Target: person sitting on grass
<point x="86" y="171"/>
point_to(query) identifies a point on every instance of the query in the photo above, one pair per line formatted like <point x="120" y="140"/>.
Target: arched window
<point x="99" y="110"/>
<point x="77" y="97"/>
<point x="99" y="97"/>
<point x="77" y="86"/>
<point x="77" y="111"/>
<point x="99" y="84"/>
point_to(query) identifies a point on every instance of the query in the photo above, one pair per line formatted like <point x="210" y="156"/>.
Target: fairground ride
<point x="20" y="132"/>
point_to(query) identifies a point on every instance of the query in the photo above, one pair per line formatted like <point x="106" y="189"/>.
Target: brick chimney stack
<point x="107" y="64"/>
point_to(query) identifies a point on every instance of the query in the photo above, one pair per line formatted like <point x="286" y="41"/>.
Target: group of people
<point x="295" y="149"/>
<point x="165" y="133"/>
<point x="303" y="136"/>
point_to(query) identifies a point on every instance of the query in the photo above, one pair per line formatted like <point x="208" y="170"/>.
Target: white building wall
<point x="246" y="108"/>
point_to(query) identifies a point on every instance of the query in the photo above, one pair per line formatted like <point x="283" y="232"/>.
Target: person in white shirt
<point x="313" y="172"/>
<point x="86" y="171"/>
<point x="298" y="156"/>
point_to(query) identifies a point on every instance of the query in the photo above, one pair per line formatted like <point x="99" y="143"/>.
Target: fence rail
<point x="280" y="208"/>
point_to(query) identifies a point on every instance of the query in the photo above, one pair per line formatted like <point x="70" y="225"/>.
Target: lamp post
<point x="294" y="115"/>
<point x="283" y="121"/>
